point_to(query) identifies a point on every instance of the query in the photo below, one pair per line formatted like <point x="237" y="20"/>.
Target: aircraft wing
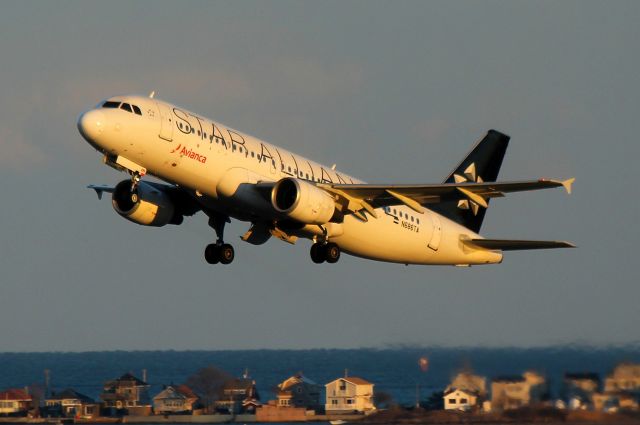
<point x="358" y="197"/>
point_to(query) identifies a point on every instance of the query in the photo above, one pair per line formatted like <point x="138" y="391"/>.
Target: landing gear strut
<point x="219" y="252"/>
<point x="321" y="252"/>
<point x="135" y="180"/>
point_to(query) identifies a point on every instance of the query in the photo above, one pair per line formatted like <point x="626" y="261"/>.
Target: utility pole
<point x="47" y="382"/>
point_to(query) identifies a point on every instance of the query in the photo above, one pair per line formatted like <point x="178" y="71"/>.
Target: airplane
<point x="227" y="174"/>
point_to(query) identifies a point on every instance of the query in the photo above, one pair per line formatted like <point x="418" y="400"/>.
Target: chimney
<point x="346" y="373"/>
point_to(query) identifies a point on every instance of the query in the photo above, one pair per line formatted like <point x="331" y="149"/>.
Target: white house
<point x="458" y="399"/>
<point x="349" y="394"/>
<point x="15" y="402"/>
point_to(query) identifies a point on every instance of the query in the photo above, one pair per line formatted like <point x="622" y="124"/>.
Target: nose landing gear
<point x="219" y="252"/>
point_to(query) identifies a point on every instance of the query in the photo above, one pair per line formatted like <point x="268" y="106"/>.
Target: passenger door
<point x="166" y="122"/>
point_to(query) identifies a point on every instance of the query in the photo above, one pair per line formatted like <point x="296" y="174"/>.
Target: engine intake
<point x="302" y="201"/>
<point x="147" y="205"/>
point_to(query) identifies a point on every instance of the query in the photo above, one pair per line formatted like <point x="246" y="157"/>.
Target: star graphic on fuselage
<point x="469" y="175"/>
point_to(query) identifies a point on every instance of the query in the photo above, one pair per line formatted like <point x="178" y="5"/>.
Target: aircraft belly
<point x="381" y="239"/>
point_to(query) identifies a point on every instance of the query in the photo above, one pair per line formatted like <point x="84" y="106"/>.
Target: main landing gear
<point x="321" y="252"/>
<point x="219" y="252"/>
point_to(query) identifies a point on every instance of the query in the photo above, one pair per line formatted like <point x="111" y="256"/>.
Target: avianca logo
<point x="191" y="154"/>
<point x="469" y="176"/>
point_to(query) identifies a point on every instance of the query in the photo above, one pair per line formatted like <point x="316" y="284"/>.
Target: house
<point x="15" y="402"/>
<point x="459" y="399"/>
<point x="578" y="390"/>
<point x="349" y="394"/>
<point x="71" y="404"/>
<point x="126" y="395"/>
<point x="238" y="395"/>
<point x="621" y="389"/>
<point x="299" y="391"/>
<point x="625" y="377"/>
<point x="174" y="399"/>
<point x="512" y="392"/>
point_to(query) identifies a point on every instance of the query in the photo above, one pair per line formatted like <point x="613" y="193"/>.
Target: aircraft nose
<point x="91" y="124"/>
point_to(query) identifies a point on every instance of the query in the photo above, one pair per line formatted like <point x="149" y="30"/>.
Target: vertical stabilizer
<point x="482" y="164"/>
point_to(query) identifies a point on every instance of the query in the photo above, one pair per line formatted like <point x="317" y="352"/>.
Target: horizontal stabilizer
<point x="516" y="245"/>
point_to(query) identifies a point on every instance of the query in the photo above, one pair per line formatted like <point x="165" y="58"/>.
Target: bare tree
<point x="207" y="384"/>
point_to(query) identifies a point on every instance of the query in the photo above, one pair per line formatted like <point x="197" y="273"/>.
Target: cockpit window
<point x="136" y="110"/>
<point x="126" y="107"/>
<point x="110" y="104"/>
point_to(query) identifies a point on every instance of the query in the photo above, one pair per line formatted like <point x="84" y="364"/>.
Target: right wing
<point x="357" y="197"/>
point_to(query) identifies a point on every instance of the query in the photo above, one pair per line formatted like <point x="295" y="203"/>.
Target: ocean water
<point x="395" y="371"/>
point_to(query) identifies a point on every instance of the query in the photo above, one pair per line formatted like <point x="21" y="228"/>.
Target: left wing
<point x="357" y="197"/>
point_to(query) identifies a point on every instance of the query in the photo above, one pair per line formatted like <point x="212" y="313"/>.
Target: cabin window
<point x="198" y="132"/>
<point x="417" y="221"/>
<point x="204" y="135"/>
<point x="289" y="169"/>
<point x="273" y="162"/>
<point x="136" y="110"/>
<point x="126" y="107"/>
<point x="412" y="219"/>
<point x="253" y="154"/>
<point x="193" y="130"/>
<point x="110" y="104"/>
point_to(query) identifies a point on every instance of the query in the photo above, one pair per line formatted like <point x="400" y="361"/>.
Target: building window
<point x="463" y="401"/>
<point x="452" y="401"/>
<point x="349" y="401"/>
<point x="334" y="402"/>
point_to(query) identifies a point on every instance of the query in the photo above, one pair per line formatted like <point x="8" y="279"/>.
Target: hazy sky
<point x="394" y="92"/>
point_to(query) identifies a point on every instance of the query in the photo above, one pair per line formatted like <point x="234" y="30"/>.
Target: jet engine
<point x="146" y="205"/>
<point x="302" y="201"/>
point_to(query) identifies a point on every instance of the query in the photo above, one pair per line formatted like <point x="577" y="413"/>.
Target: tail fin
<point x="482" y="164"/>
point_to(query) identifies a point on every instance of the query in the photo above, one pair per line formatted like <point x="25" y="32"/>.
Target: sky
<point x="391" y="91"/>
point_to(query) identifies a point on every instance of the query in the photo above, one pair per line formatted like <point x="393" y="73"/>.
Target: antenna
<point x="333" y="167"/>
<point x="153" y="93"/>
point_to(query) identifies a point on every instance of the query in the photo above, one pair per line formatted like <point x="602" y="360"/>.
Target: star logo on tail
<point x="469" y="175"/>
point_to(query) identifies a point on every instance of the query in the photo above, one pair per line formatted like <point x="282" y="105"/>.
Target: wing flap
<point x="516" y="245"/>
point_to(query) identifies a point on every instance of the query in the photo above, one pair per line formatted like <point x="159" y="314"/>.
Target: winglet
<point x="567" y="184"/>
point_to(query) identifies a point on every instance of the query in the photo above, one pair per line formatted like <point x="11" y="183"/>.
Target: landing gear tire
<point x="212" y="254"/>
<point x="329" y="252"/>
<point x="332" y="252"/>
<point x="215" y="253"/>
<point x="226" y="253"/>
<point x="317" y="253"/>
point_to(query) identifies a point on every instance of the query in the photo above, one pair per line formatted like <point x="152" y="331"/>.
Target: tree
<point x="383" y="400"/>
<point x="207" y="383"/>
<point x="435" y="401"/>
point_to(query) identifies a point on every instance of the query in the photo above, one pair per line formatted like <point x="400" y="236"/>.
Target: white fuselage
<point x="217" y="164"/>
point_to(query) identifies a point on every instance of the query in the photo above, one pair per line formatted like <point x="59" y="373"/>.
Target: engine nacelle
<point x="147" y="206"/>
<point x="302" y="201"/>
